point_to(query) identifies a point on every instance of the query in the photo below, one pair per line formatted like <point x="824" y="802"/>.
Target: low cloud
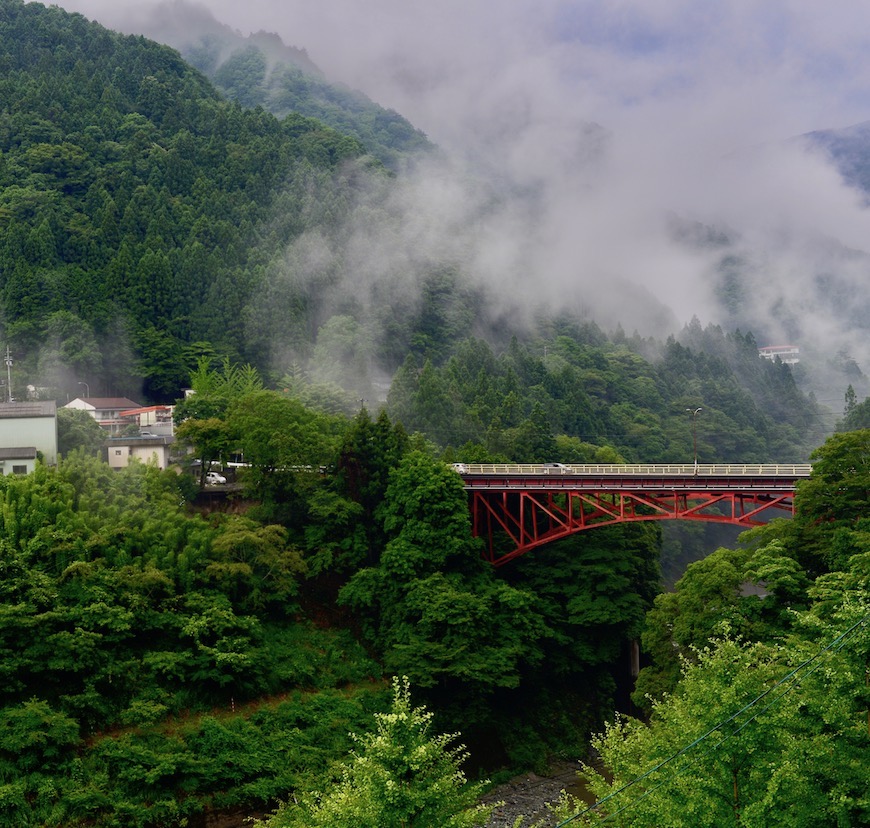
<point x="579" y="135"/>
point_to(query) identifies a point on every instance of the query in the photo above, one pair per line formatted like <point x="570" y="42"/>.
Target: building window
<point x="117" y="452"/>
<point x="19" y="470"/>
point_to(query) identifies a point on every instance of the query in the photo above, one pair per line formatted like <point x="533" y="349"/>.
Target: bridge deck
<point x="682" y="477"/>
<point x="629" y="469"/>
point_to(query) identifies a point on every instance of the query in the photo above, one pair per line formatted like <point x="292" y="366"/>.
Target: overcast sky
<point x="694" y="100"/>
<point x="731" y="70"/>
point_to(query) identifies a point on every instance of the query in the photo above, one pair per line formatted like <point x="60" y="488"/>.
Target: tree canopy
<point x="400" y="775"/>
<point x="758" y="711"/>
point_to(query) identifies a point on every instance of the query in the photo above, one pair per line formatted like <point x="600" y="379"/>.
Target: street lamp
<point x="694" y="412"/>
<point x="87" y="389"/>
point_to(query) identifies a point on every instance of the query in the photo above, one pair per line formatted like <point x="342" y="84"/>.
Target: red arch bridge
<point x="517" y="508"/>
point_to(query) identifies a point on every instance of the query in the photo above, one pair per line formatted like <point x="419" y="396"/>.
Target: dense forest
<point x="166" y="652"/>
<point x="759" y="703"/>
<point x="159" y="660"/>
<point x="260" y="70"/>
<point x="135" y="205"/>
<point x="162" y="659"/>
<point x="149" y="222"/>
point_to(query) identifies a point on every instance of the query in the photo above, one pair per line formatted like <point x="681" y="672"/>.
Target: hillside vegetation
<point x="158" y="662"/>
<point x="165" y="654"/>
<point x="759" y="711"/>
<point x="148" y="223"/>
<point x="134" y="203"/>
<point x="260" y="70"/>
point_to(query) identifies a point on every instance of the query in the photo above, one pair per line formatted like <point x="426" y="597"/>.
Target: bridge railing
<point x="796" y="470"/>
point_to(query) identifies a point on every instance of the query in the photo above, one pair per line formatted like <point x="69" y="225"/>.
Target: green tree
<point x="77" y="429"/>
<point x="403" y="393"/>
<point x="256" y="565"/>
<point x="161" y="364"/>
<point x="594" y="590"/>
<point x="227" y="380"/>
<point x="284" y="444"/>
<point x="401" y="776"/>
<point x="342" y="354"/>
<point x="755" y="734"/>
<point x="533" y="440"/>
<point x="36" y="743"/>
<point x="856" y="415"/>
<point x="431" y="605"/>
<point x="833" y="499"/>
<point x="369" y="451"/>
<point x="70" y="350"/>
<point x="434" y="407"/>
<point x="209" y="438"/>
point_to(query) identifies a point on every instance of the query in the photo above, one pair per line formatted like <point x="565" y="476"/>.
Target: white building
<point x="105" y="410"/>
<point x="27" y="430"/>
<point x="120" y="451"/>
<point x="788" y="354"/>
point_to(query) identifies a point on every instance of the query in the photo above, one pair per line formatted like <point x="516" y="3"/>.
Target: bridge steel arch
<point x="519" y="508"/>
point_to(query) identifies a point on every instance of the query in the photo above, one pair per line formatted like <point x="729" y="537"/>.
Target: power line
<point x="722" y="741"/>
<point x="840" y="638"/>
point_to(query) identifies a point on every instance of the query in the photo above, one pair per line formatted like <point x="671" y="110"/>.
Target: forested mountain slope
<point x="161" y="657"/>
<point x="133" y="202"/>
<point x="148" y="222"/>
<point x="260" y="70"/>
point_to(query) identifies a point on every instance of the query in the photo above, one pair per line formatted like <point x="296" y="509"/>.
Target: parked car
<point x="214" y="479"/>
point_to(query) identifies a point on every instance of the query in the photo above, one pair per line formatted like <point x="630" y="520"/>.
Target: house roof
<point x="157" y="440"/>
<point x="14" y="410"/>
<point x="22" y="453"/>
<point x="102" y="403"/>
<point x="133" y="411"/>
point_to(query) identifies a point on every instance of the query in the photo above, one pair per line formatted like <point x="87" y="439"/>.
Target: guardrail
<point x="796" y="470"/>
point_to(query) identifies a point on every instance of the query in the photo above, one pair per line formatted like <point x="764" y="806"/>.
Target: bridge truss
<point x="519" y="508"/>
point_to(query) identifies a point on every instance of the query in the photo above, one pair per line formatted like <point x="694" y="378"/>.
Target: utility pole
<point x="8" y="375"/>
<point x="694" y="412"/>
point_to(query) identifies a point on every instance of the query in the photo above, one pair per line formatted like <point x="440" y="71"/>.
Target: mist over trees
<point x="134" y="201"/>
<point x="167" y="654"/>
<point x="151" y="222"/>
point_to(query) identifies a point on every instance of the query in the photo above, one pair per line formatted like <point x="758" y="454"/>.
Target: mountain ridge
<point x="260" y="69"/>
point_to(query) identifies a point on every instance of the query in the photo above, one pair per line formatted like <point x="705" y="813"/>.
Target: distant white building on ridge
<point x="788" y="354"/>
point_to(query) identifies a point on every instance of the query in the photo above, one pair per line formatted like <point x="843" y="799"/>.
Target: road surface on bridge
<point x="685" y="475"/>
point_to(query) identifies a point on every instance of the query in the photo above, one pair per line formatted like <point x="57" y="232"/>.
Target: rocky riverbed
<point x="527" y="796"/>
